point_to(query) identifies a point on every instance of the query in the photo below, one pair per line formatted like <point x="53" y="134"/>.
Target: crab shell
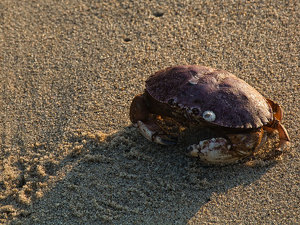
<point x="216" y="96"/>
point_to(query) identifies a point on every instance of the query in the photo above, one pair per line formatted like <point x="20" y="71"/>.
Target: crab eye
<point x="171" y="101"/>
<point x="209" y="116"/>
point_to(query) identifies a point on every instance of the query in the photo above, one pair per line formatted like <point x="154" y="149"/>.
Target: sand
<point x="69" y="70"/>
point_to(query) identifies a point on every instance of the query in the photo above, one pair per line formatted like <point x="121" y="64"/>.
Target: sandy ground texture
<point x="69" y="70"/>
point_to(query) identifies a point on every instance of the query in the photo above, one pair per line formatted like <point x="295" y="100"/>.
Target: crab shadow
<point x="122" y="178"/>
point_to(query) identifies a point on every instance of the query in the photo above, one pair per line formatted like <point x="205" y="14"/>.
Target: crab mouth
<point x="186" y="132"/>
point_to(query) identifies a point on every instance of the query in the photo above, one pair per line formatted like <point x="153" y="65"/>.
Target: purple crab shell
<point x="199" y="89"/>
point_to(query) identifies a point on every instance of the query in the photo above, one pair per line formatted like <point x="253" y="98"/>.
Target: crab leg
<point x="282" y="132"/>
<point x="276" y="125"/>
<point x="153" y="133"/>
<point x="141" y="118"/>
<point x="278" y="112"/>
<point x="138" y="109"/>
<point x="283" y="135"/>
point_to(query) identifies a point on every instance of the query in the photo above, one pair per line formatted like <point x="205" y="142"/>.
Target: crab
<point x="199" y="98"/>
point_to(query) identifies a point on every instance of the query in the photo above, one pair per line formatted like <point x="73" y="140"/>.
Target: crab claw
<point x="153" y="133"/>
<point x="213" y="151"/>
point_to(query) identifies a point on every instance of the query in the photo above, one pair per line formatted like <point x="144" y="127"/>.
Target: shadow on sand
<point x="122" y="178"/>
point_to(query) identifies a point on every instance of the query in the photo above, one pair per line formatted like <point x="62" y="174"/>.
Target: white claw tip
<point x="209" y="116"/>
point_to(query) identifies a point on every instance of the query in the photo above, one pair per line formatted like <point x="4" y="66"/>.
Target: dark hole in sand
<point x="158" y="14"/>
<point x="127" y="39"/>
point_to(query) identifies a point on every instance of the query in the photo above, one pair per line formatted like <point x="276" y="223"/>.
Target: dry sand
<point x="69" y="70"/>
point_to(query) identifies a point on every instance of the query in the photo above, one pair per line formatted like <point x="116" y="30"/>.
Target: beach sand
<point x="69" y="70"/>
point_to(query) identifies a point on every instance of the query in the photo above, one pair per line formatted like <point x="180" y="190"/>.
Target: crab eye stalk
<point x="171" y="101"/>
<point x="209" y="116"/>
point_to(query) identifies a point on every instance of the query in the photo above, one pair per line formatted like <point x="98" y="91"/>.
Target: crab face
<point x="209" y="100"/>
